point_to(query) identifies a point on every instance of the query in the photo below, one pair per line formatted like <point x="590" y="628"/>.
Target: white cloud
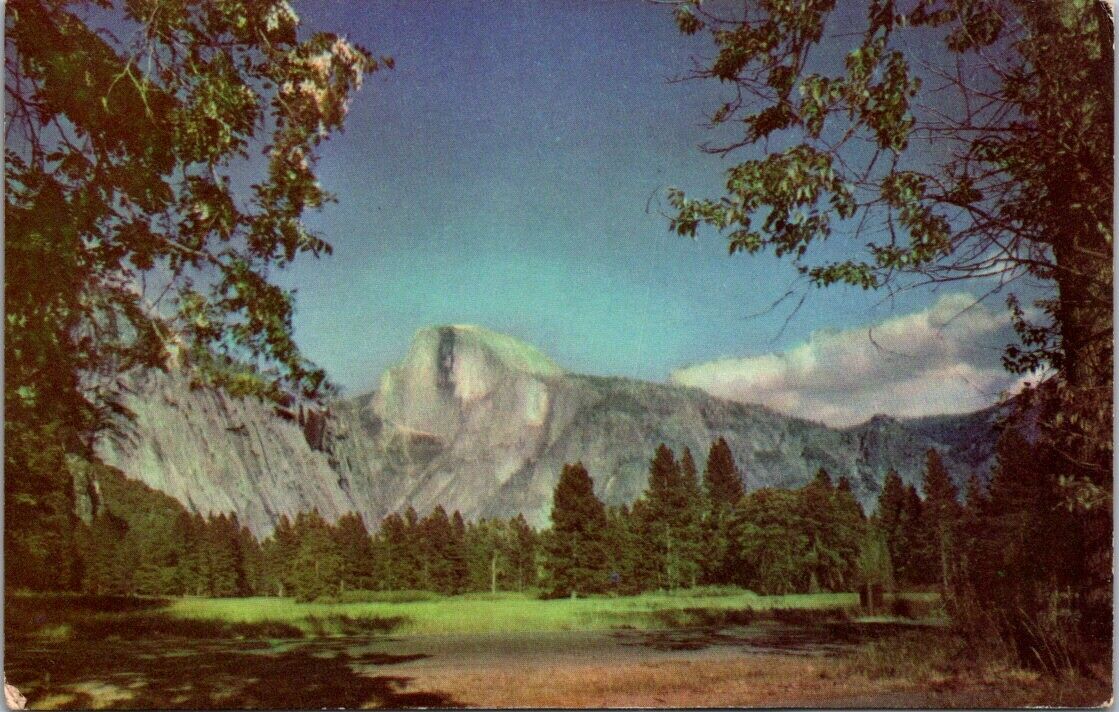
<point x="945" y="359"/>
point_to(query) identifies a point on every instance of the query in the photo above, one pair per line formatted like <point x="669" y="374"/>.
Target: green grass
<point x="409" y="613"/>
<point x="512" y="612"/>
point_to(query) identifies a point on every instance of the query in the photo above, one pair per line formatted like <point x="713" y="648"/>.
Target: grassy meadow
<point x="715" y="646"/>
<point x="424" y="613"/>
<point x="512" y="612"/>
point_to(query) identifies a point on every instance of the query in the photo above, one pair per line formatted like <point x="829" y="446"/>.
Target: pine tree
<point x="191" y="571"/>
<point x="629" y="573"/>
<point x="722" y="480"/>
<point x="687" y="523"/>
<point x="394" y="559"/>
<point x="849" y="528"/>
<point x="316" y="569"/>
<point x="772" y="553"/>
<point x="873" y="564"/>
<point x="252" y="557"/>
<point x="575" y="558"/>
<point x="889" y="517"/>
<point x="106" y="569"/>
<point x="522" y="553"/>
<point x="915" y="564"/>
<point x="723" y="490"/>
<point x="663" y="516"/>
<point x="438" y="542"/>
<point x="279" y="553"/>
<point x="355" y="548"/>
<point x="977" y="553"/>
<point x="942" y="514"/>
<point x="460" y="566"/>
<point x="834" y="532"/>
<point x="223" y="567"/>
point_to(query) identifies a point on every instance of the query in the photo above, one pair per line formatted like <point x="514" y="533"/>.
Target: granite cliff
<point x="482" y="423"/>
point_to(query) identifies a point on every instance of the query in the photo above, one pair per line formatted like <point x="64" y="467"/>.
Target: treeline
<point x="144" y="543"/>
<point x="686" y="531"/>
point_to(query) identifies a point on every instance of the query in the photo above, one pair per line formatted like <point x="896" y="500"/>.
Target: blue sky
<point x="500" y="175"/>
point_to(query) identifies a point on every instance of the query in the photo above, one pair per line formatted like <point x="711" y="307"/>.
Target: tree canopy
<point x="944" y="141"/>
<point x="158" y="160"/>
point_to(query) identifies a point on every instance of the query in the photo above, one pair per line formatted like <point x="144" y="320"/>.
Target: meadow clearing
<point x="720" y="647"/>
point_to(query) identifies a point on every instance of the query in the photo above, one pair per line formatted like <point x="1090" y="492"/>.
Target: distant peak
<point x="880" y="419"/>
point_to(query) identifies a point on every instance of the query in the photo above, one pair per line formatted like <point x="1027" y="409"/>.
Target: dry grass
<point x="745" y="681"/>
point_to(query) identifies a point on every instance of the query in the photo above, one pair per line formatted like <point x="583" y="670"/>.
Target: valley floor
<point x="152" y="654"/>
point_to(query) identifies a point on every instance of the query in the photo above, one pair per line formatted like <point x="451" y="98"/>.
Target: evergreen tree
<point x="655" y="515"/>
<point x="942" y="515"/>
<point x="873" y="565"/>
<point x="772" y="550"/>
<point x="355" y="547"/>
<point x="252" y="559"/>
<point x="914" y="564"/>
<point x="722" y="480"/>
<point x="194" y="566"/>
<point x="437" y="539"/>
<point x="723" y="489"/>
<point x="222" y="566"/>
<point x="106" y="570"/>
<point x="486" y="556"/>
<point x="575" y="553"/>
<point x="687" y="524"/>
<point x="522" y="553"/>
<point x="849" y="530"/>
<point x="457" y="553"/>
<point x="1028" y="549"/>
<point x="316" y="569"/>
<point x="395" y="557"/>
<point x="279" y="553"/>
<point x="889" y="518"/>
<point x="629" y="573"/>
<point x="670" y="518"/>
<point x="834" y="531"/>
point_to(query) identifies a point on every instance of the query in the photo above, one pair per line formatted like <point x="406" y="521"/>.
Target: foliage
<point x="957" y="140"/>
<point x="667" y="518"/>
<point x="575" y="550"/>
<point x="982" y="83"/>
<point x="1024" y="557"/>
<point x="723" y="488"/>
<point x="873" y="565"/>
<point x="899" y="518"/>
<point x="502" y="555"/>
<point x="771" y="543"/>
<point x="941" y="513"/>
<point x="141" y="224"/>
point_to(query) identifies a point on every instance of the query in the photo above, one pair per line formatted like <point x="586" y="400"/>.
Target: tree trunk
<point x="493" y="573"/>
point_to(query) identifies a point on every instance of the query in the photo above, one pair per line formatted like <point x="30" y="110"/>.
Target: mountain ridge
<point x="477" y="421"/>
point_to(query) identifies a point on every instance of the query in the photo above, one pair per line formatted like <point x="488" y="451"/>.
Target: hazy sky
<point x="500" y="175"/>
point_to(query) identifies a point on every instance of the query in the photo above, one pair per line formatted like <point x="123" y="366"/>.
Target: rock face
<point x="482" y="423"/>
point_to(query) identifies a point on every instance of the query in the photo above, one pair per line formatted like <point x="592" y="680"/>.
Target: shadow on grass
<point x="100" y="651"/>
<point x="791" y="634"/>
<point x="104" y="618"/>
<point x="211" y="674"/>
